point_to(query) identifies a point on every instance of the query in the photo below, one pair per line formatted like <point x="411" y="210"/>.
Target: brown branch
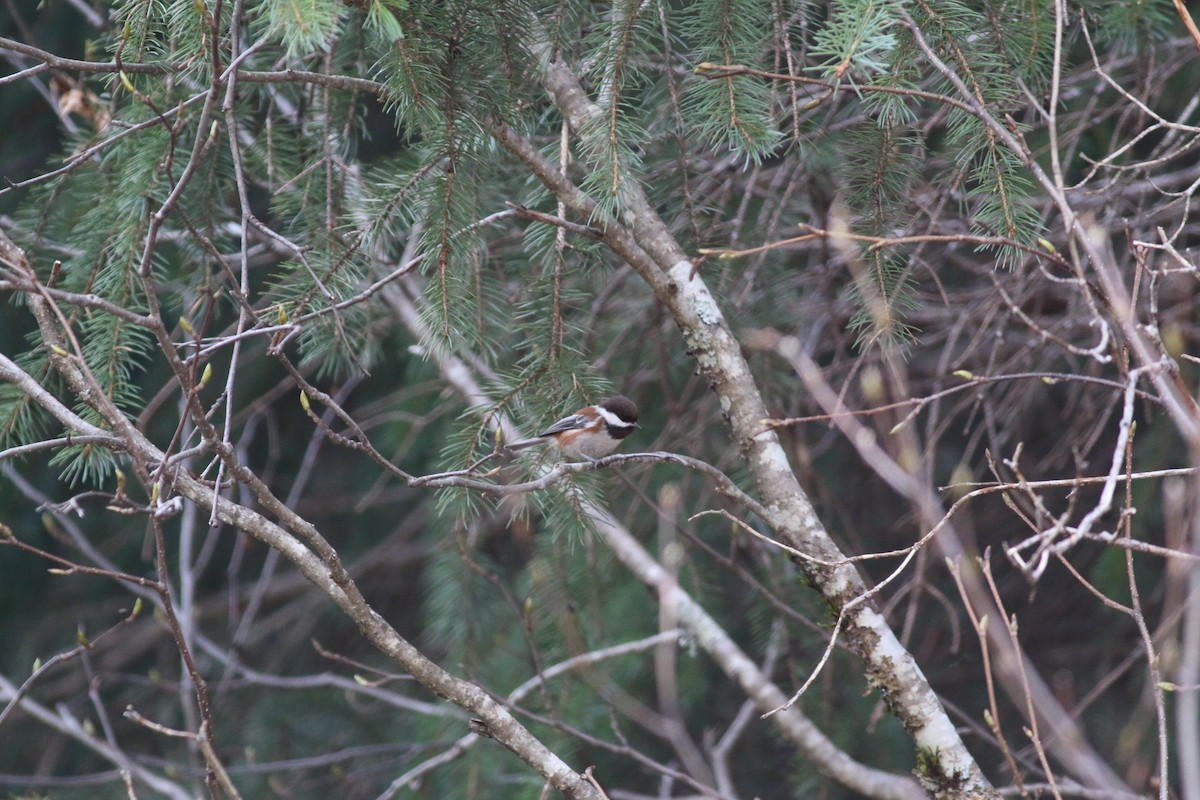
<point x="347" y="82"/>
<point x="716" y="71"/>
<point x="1188" y="22"/>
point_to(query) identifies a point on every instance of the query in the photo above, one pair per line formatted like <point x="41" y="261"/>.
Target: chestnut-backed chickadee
<point x="590" y="432"/>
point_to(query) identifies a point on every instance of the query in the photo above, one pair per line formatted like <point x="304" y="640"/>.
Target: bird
<point x="591" y="432"/>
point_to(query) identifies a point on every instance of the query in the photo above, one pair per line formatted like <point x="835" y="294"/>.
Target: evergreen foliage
<point x="359" y="142"/>
<point x="449" y="71"/>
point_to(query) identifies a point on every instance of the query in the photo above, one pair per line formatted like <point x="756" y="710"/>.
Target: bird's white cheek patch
<point x="612" y="419"/>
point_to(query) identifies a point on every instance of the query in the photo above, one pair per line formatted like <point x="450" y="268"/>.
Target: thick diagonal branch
<point x="642" y="238"/>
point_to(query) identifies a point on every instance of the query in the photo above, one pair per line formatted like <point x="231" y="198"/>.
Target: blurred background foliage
<point x="498" y="590"/>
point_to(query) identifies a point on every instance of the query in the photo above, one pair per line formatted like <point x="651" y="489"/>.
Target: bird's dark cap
<point x="622" y="407"/>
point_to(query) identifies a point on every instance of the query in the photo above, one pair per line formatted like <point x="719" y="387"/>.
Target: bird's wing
<point x="566" y="424"/>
